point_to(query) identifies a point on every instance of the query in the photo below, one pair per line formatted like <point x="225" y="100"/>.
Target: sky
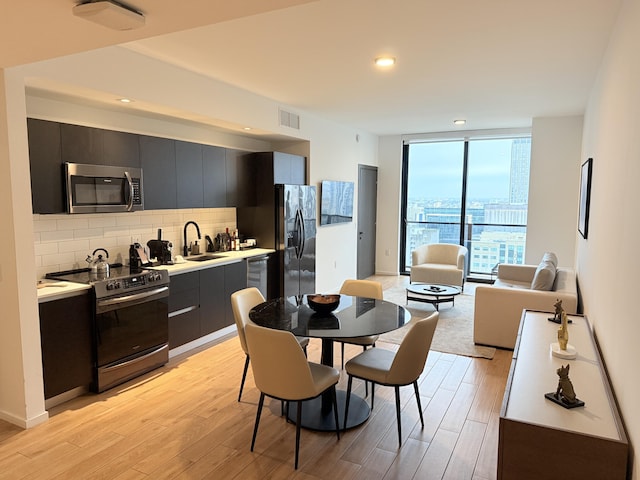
<point x="435" y="169"/>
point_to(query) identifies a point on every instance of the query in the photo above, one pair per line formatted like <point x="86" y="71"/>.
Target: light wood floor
<point x="184" y="421"/>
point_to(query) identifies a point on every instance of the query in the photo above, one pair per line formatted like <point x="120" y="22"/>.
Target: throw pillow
<point x="544" y="277"/>
<point x="550" y="257"/>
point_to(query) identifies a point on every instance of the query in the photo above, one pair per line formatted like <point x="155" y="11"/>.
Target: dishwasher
<point x="257" y="273"/>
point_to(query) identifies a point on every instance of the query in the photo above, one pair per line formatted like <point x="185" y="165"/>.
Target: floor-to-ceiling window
<point x="471" y="192"/>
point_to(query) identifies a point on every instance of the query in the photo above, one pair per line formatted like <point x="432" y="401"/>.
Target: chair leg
<point x="335" y="410"/>
<point x="244" y="375"/>
<point x="366" y="384"/>
<point x="417" y="390"/>
<point x="373" y="386"/>
<point x="342" y="353"/>
<point x="255" y="428"/>
<point x="397" y="388"/>
<point x="346" y="405"/>
<point x="298" y="420"/>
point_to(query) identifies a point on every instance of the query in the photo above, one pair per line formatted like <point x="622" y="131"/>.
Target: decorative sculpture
<point x="564" y="395"/>
<point x="562" y="349"/>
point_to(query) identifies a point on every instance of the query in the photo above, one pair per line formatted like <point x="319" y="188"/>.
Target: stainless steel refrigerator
<point x="285" y="221"/>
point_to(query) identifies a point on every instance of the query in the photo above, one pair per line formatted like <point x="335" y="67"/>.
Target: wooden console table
<point x="539" y="439"/>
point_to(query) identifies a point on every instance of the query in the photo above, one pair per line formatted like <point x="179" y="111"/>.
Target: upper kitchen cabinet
<point x="81" y="144"/>
<point x="158" y="161"/>
<point x="47" y="191"/>
<point x="214" y="174"/>
<point x="121" y="149"/>
<point x="281" y="167"/>
<point x="189" y="175"/>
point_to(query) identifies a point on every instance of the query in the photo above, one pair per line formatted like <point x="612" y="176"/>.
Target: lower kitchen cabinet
<point x="65" y="336"/>
<point x="184" y="308"/>
<point x="199" y="301"/>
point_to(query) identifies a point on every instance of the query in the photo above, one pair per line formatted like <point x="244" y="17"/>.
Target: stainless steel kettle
<point x="98" y="265"/>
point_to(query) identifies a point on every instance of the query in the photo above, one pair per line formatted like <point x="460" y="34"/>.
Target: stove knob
<point x="117" y="285"/>
<point x="152" y="277"/>
<point x="110" y="286"/>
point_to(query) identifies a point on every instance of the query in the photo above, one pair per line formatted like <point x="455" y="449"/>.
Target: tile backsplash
<point x="63" y="242"/>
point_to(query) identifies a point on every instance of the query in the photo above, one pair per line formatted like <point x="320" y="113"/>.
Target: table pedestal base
<point x="314" y="417"/>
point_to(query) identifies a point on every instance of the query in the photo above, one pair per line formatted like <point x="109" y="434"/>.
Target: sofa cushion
<point x="550" y="257"/>
<point x="544" y="276"/>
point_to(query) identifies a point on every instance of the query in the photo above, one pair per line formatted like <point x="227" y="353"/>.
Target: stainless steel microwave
<point x="102" y="188"/>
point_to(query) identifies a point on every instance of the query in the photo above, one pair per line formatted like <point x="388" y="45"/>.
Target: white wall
<point x="607" y="262"/>
<point x="553" y="188"/>
<point x="332" y="150"/>
<point x="21" y="388"/>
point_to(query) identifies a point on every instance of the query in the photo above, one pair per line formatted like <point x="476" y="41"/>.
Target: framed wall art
<point x="585" y="197"/>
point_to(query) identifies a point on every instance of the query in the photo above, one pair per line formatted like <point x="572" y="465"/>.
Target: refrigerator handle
<point x="297" y="231"/>
<point x="302" y="233"/>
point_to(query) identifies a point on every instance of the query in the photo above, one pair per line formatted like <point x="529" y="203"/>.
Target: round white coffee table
<point x="434" y="294"/>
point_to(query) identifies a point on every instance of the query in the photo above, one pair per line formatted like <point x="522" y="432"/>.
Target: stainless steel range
<point x="130" y="324"/>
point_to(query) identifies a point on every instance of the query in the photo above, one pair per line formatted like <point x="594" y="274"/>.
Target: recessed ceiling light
<point x="125" y="100"/>
<point x="247" y="128"/>
<point x="385" y="61"/>
<point x="459" y="122"/>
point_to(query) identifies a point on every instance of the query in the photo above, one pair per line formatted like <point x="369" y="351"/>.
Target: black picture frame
<point x="585" y="197"/>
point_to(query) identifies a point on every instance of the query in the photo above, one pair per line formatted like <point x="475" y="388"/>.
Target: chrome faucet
<point x="185" y="249"/>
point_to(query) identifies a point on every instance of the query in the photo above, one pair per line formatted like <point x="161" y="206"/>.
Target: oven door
<point x="130" y="325"/>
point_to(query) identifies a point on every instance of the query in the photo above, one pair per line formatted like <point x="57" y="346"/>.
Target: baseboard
<point x="212" y="337"/>
<point x="24" y="422"/>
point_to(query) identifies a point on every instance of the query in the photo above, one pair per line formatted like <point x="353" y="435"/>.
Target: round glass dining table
<point x="354" y="317"/>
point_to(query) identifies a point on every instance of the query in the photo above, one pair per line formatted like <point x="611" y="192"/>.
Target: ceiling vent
<point x="110" y="14"/>
<point x="288" y="119"/>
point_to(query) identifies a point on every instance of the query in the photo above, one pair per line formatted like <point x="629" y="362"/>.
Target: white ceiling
<point x="495" y="63"/>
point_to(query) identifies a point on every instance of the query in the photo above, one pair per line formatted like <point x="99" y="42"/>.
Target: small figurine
<point x="565" y="391"/>
<point x="563" y="333"/>
<point x="557" y="316"/>
<point x="564" y="395"/>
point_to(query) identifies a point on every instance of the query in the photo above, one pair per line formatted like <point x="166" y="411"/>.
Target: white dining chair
<point x="281" y="371"/>
<point x="395" y="369"/>
<point x="242" y="302"/>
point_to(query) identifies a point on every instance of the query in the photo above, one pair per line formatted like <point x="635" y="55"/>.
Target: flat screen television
<point x="336" y="205"/>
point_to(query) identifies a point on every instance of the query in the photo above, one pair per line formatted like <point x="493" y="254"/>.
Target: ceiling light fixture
<point x="459" y="122"/>
<point x="125" y="100"/>
<point x="110" y="14"/>
<point x="385" y="61"/>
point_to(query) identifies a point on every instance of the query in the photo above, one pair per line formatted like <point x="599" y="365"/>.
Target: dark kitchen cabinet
<point x="288" y="168"/>
<point x="97" y="146"/>
<point x="184" y="305"/>
<point x="189" y="175"/>
<point x="158" y="161"/>
<point x="199" y="302"/>
<point x="121" y="149"/>
<point x="47" y="179"/>
<point x="212" y="298"/>
<point x="214" y="176"/>
<point x="65" y="336"/>
<point x="81" y="144"/>
<point x="235" y="278"/>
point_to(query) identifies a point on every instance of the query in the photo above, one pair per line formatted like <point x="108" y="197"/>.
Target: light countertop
<point x="226" y="259"/>
<point x="49" y="290"/>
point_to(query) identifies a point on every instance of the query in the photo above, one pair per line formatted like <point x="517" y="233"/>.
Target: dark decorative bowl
<point x="323" y="303"/>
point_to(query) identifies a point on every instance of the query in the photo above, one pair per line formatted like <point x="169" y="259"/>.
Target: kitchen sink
<point x="203" y="258"/>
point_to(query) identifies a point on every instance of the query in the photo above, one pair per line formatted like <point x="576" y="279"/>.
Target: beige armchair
<point x="439" y="263"/>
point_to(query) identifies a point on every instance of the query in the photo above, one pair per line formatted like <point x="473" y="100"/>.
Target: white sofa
<point x="498" y="308"/>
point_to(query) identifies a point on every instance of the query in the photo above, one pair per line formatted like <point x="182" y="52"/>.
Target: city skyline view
<point x="496" y="172"/>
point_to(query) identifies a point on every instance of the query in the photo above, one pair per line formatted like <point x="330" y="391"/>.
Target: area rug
<point x="454" y="333"/>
